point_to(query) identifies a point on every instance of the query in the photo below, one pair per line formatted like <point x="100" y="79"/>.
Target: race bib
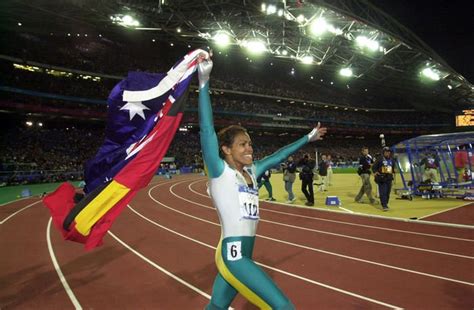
<point x="234" y="250"/>
<point x="248" y="201"/>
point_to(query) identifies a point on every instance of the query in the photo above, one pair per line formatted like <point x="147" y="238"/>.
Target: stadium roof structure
<point x="382" y="59"/>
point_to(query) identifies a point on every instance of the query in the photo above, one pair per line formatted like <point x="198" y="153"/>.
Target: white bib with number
<point x="248" y="201"/>
<point x="234" y="250"/>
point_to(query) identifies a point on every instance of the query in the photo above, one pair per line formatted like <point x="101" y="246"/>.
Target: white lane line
<point x="342" y="222"/>
<point x="266" y="266"/>
<point x="439" y="212"/>
<point x="66" y="286"/>
<point x="17" y="212"/>
<point x="330" y="233"/>
<point x="9" y="202"/>
<point x="168" y="273"/>
<point x="319" y="250"/>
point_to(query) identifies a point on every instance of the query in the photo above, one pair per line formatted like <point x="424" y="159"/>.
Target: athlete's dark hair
<point x="227" y="135"/>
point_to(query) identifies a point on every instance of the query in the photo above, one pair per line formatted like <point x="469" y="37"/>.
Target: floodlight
<point x="307" y="59"/>
<point x="264" y="7"/>
<point x="319" y="26"/>
<point x="361" y="40"/>
<point x="127" y="19"/>
<point x="347" y="72"/>
<point x="365" y="42"/>
<point x="431" y="74"/>
<point x="271" y="9"/>
<point x="284" y="52"/>
<point x="222" y="38"/>
<point x="373" y="45"/>
<point x="450" y="87"/>
<point x="280" y="12"/>
<point x="255" y="46"/>
<point x="300" y="19"/>
<point x="29" y="123"/>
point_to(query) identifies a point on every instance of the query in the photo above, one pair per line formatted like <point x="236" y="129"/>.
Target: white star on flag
<point x="135" y="108"/>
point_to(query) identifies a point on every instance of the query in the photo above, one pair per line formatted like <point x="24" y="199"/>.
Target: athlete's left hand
<point x="317" y="133"/>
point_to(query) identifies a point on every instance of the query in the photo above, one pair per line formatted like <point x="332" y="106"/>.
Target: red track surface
<point x="160" y="255"/>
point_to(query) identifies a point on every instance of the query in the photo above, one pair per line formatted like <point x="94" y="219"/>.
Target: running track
<point x="160" y="255"/>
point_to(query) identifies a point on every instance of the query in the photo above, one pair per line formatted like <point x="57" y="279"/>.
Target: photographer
<point x="384" y="169"/>
<point x="289" y="176"/>
<point x="365" y="162"/>
<point x="306" y="176"/>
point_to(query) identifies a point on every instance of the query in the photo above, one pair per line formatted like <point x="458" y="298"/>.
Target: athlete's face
<point x="241" y="151"/>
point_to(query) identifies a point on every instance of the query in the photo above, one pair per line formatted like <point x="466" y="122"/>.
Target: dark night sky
<point x="445" y="26"/>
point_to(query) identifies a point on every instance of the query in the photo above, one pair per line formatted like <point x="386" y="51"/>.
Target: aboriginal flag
<point x="144" y="112"/>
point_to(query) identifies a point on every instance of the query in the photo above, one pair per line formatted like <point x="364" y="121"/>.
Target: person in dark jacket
<point x="306" y="176"/>
<point x="384" y="169"/>
<point x="323" y="173"/>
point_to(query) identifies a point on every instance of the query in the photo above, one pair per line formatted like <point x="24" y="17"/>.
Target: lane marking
<point x="19" y="211"/>
<point x="396" y="219"/>
<point x="266" y="266"/>
<point x="330" y="233"/>
<point x="439" y="212"/>
<point x="342" y="222"/>
<point x="319" y="250"/>
<point x="168" y="273"/>
<point x="66" y="286"/>
<point x="12" y="201"/>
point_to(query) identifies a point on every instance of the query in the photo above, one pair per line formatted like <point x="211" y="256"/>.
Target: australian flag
<point x="144" y="112"/>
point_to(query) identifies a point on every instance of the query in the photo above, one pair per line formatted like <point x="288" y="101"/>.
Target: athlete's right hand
<point x="204" y="69"/>
<point x="317" y="133"/>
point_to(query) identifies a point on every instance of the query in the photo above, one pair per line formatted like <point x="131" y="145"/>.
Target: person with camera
<point x="306" y="176"/>
<point x="365" y="162"/>
<point x="289" y="177"/>
<point x="384" y="169"/>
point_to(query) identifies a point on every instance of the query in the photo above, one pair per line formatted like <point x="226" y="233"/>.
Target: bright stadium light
<point x="307" y="59"/>
<point x="365" y="42"/>
<point x="300" y="19"/>
<point x="255" y="46"/>
<point x="222" y="38"/>
<point x="271" y="9"/>
<point x="431" y="74"/>
<point x="347" y="72"/>
<point x="284" y="52"/>
<point x="264" y="7"/>
<point x="373" y="45"/>
<point x="124" y="20"/>
<point x="319" y="26"/>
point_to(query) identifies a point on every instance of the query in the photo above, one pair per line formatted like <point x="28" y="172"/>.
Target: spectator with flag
<point x="144" y="112"/>
<point x="233" y="188"/>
